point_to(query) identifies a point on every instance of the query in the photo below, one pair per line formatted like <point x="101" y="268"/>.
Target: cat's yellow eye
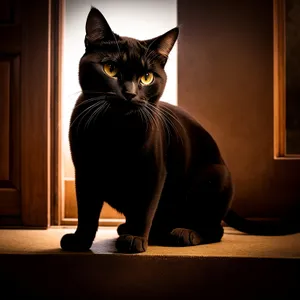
<point x="147" y="78"/>
<point x="110" y="69"/>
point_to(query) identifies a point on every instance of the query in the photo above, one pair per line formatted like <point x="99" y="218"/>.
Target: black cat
<point x="148" y="159"/>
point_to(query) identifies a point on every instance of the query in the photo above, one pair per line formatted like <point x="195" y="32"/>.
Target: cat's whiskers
<point x="98" y="98"/>
<point x="98" y="92"/>
<point x="75" y="93"/>
<point x="170" y="115"/>
<point x="165" y="121"/>
<point x="102" y="110"/>
<point x="90" y="92"/>
<point x="93" y="114"/>
<point x="131" y="111"/>
<point x="144" y="118"/>
<point x="86" y="112"/>
<point x="167" y="124"/>
<point x="106" y="108"/>
<point x="83" y="114"/>
<point x="78" y="116"/>
<point x="151" y="114"/>
<point x="165" y="117"/>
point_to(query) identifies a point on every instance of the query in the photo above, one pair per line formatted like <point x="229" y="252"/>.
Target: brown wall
<point x="226" y="80"/>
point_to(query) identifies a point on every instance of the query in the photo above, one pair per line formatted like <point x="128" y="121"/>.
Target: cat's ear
<point x="97" y="28"/>
<point x="163" y="44"/>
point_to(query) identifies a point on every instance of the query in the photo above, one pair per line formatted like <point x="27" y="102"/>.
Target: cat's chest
<point x="111" y="134"/>
<point x="115" y="140"/>
<point x="114" y="146"/>
<point x="115" y="160"/>
<point x="111" y="145"/>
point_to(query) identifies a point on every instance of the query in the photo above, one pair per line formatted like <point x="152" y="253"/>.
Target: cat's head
<point x="131" y="69"/>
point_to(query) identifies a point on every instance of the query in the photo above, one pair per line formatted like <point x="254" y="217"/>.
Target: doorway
<point x="122" y="17"/>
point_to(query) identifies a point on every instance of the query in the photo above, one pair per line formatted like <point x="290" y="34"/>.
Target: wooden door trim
<point x="57" y="12"/>
<point x="35" y="113"/>
<point x="279" y="73"/>
<point x="279" y="79"/>
<point x="63" y="187"/>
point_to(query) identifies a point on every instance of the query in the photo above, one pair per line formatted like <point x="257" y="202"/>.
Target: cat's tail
<point x="253" y="227"/>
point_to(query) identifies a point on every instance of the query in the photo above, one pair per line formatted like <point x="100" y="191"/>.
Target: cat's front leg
<point x="89" y="205"/>
<point x="140" y="216"/>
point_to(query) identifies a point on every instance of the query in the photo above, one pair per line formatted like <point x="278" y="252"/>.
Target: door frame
<point x="57" y="11"/>
<point x="59" y="187"/>
<point x="279" y="50"/>
<point x="40" y="110"/>
<point x="35" y="168"/>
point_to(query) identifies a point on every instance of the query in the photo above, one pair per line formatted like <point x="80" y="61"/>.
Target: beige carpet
<point x="243" y="267"/>
<point x="234" y="244"/>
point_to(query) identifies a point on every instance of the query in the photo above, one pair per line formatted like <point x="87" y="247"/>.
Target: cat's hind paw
<point x="127" y="243"/>
<point x="185" y="237"/>
<point x="72" y="242"/>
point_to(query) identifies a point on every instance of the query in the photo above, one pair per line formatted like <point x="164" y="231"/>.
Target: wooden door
<point x="24" y="112"/>
<point x="226" y="79"/>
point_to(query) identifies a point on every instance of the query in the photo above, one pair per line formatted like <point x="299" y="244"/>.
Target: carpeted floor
<point x="234" y="244"/>
<point x="240" y="267"/>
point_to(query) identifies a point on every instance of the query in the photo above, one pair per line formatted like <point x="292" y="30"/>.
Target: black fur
<point x="148" y="159"/>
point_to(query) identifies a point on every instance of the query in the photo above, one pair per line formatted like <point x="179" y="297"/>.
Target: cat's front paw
<point x="127" y="243"/>
<point x="72" y="242"/>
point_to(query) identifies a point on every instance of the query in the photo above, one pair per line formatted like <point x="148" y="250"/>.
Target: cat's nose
<point x="129" y="90"/>
<point x="129" y="96"/>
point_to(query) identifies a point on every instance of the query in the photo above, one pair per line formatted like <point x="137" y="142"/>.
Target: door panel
<point x="4" y="117"/>
<point x="10" y="49"/>
<point x="226" y="81"/>
<point x="24" y="112"/>
<point x="9" y="135"/>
